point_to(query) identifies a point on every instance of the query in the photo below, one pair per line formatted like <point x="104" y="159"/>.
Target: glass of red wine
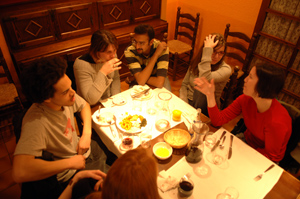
<point x="126" y="142"/>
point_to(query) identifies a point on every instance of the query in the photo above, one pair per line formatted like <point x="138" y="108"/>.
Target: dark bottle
<point x="194" y="151"/>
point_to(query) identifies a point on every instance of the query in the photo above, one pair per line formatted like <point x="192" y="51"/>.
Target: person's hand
<point x="77" y="162"/>
<point x="209" y="41"/>
<point x="83" y="144"/>
<point x="95" y="174"/>
<point x="161" y="47"/>
<point x="205" y="87"/>
<point x="110" y="66"/>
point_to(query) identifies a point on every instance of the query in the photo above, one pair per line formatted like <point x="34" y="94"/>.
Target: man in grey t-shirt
<point x="48" y="125"/>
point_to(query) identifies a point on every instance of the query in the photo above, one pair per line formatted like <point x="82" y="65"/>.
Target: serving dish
<point x="162" y="150"/>
<point x="177" y="138"/>
<point x="133" y="118"/>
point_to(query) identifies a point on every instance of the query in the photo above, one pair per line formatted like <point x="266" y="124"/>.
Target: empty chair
<point x="10" y="102"/>
<point x="181" y="48"/>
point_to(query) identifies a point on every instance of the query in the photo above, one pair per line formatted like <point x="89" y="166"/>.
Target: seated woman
<point x="97" y="72"/>
<point x="133" y="175"/>
<point x="268" y="123"/>
<point x="209" y="64"/>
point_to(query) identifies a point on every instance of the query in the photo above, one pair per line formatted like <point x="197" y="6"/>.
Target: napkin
<point x="165" y="182"/>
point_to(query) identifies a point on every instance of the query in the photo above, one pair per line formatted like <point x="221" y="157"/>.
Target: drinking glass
<point x="163" y="117"/>
<point x="219" y="155"/>
<point x="151" y="109"/>
<point x="210" y="139"/>
<point x="185" y="187"/>
<point x="230" y="193"/>
<point x="145" y="139"/>
<point x="136" y="105"/>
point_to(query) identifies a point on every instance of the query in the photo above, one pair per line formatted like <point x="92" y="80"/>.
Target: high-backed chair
<point x="181" y="48"/>
<point x="10" y="102"/>
<point x="237" y="46"/>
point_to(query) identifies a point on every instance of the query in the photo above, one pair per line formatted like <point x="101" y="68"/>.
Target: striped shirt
<point x="137" y="62"/>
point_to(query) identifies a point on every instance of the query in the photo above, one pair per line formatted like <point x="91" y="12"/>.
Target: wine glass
<point x="230" y="193"/>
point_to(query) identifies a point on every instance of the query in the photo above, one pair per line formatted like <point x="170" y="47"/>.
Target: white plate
<point x="119" y="101"/>
<point x="137" y="89"/>
<point x="133" y="130"/>
<point x="102" y="118"/>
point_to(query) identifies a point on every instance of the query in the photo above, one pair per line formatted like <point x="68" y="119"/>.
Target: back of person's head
<point x="145" y="29"/>
<point x="270" y="80"/>
<point x="197" y="59"/>
<point x="132" y="176"/>
<point x="38" y="79"/>
<point x="100" y="40"/>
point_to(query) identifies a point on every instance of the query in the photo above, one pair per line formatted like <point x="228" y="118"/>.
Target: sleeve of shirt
<point x="116" y="84"/>
<point x="218" y="118"/>
<point x="163" y="63"/>
<point x="91" y="90"/>
<point x="183" y="92"/>
<point x="220" y="75"/>
<point x="79" y="103"/>
<point x="132" y="60"/>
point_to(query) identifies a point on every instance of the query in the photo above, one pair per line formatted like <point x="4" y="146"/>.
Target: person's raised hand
<point x="209" y="41"/>
<point x="161" y="47"/>
<point x="110" y="66"/>
<point x="77" y="162"/>
<point x="205" y="87"/>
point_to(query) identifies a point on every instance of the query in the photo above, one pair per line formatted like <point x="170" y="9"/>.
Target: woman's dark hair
<point x="100" y="40"/>
<point x="270" y="80"/>
<point x="145" y="29"/>
<point x="194" y="63"/>
<point x="38" y="78"/>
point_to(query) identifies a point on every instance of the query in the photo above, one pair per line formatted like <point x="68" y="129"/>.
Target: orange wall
<point x="214" y="15"/>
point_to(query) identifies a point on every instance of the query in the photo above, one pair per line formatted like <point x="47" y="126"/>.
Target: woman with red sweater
<point x="268" y="123"/>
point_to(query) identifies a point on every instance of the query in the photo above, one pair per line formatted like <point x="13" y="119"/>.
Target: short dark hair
<point x="145" y="29"/>
<point x="38" y="78"/>
<point x="100" y="40"/>
<point x="270" y="80"/>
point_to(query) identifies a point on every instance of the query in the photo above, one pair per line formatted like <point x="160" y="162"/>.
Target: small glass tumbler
<point x="185" y="187"/>
<point x="230" y="193"/>
<point x="136" y="105"/>
<point x="145" y="139"/>
<point x="210" y="139"/>
<point x="126" y="142"/>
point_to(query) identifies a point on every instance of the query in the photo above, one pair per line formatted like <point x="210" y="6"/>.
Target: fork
<point x="257" y="178"/>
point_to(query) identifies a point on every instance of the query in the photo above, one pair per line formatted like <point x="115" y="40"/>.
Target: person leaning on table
<point x="208" y="63"/>
<point x="97" y="72"/>
<point x="268" y="123"/>
<point x="48" y="126"/>
<point x="132" y="176"/>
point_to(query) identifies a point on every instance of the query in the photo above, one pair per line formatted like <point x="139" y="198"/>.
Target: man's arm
<point x="27" y="168"/>
<point x="85" y="140"/>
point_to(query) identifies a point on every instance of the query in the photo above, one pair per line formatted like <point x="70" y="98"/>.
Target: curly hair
<point x="38" y="79"/>
<point x="100" y="40"/>
<point x="196" y="60"/>
<point x="270" y="80"/>
<point x="133" y="175"/>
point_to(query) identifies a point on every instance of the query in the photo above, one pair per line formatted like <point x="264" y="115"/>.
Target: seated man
<point x="49" y="126"/>
<point x="148" y="58"/>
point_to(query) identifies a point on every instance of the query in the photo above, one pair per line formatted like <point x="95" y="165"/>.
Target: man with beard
<point x="48" y="127"/>
<point x="148" y="58"/>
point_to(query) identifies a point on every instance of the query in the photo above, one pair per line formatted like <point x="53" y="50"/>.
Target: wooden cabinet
<point x="63" y="28"/>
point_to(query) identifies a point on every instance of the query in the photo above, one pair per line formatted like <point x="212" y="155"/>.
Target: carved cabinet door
<point x="75" y="20"/>
<point x="29" y="29"/>
<point x="114" y="13"/>
<point x="145" y="9"/>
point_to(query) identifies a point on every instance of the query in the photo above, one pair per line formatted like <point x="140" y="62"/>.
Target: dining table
<point x="239" y="171"/>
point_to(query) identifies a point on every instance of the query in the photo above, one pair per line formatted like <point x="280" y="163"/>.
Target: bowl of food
<point x="177" y="138"/>
<point x="162" y="150"/>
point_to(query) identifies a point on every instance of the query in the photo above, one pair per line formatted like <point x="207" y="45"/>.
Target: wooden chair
<point x="237" y="46"/>
<point x="10" y="102"/>
<point x="182" y="52"/>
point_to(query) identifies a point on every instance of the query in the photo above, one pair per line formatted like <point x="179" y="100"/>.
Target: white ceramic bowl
<point x="162" y="150"/>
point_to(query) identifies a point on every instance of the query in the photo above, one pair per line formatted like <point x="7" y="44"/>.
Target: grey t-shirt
<point x="53" y="131"/>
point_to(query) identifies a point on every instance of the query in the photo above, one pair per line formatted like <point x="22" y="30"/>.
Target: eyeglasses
<point x="219" y="53"/>
<point x="137" y="42"/>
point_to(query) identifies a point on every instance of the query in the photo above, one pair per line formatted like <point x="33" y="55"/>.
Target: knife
<point x="230" y="148"/>
<point x="140" y="93"/>
<point x="218" y="142"/>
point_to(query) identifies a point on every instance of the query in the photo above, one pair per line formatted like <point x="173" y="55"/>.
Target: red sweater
<point x="267" y="132"/>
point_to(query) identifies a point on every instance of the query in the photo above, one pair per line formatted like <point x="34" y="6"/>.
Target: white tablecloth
<point x="239" y="172"/>
<point x="114" y="143"/>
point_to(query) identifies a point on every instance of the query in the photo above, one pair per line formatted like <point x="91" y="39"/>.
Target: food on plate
<point x="177" y="138"/>
<point x="133" y="121"/>
<point x="177" y="115"/>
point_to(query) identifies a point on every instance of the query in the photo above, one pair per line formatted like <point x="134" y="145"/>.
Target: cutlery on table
<point x="111" y="129"/>
<point x="218" y="142"/>
<point x="230" y="147"/>
<point x="222" y="143"/>
<point x="257" y="178"/>
<point x="136" y="95"/>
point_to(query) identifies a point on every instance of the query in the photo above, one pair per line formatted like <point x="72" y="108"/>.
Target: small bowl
<point x="177" y="138"/>
<point x="162" y="150"/>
